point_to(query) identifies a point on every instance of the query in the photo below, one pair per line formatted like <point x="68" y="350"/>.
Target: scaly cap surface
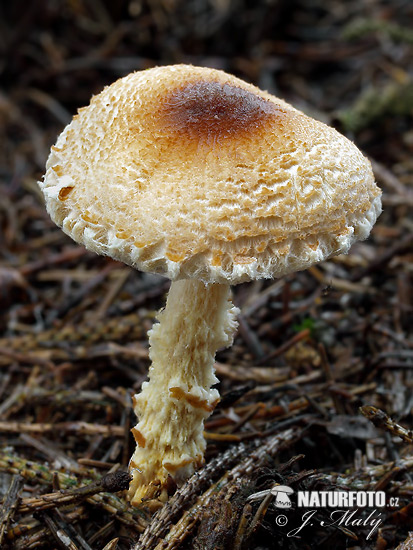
<point x="192" y="173"/>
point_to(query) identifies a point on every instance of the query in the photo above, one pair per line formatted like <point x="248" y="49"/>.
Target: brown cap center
<point x="211" y="111"/>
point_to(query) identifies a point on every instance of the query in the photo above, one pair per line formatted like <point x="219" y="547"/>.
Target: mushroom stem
<point x="198" y="320"/>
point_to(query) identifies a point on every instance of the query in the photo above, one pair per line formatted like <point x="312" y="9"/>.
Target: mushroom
<point x="194" y="174"/>
<point x="281" y="493"/>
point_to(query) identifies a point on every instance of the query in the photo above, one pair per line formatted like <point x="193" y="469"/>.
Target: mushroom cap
<point x="193" y="173"/>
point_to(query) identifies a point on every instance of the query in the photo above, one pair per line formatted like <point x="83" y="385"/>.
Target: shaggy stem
<point x="198" y="320"/>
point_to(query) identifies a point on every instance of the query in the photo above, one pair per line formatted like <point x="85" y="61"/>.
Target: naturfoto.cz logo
<point x="351" y="509"/>
<point x="341" y="499"/>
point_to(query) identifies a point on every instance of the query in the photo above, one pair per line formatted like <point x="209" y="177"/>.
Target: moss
<point x="359" y="28"/>
<point x="374" y="104"/>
